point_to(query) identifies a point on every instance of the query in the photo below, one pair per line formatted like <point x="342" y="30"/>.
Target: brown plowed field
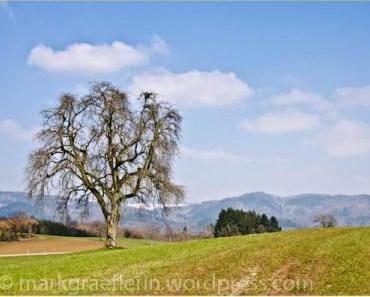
<point x="49" y="244"/>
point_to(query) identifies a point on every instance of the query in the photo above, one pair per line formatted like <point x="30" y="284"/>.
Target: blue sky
<point x="275" y="96"/>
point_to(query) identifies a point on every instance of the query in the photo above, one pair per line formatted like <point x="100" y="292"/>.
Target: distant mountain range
<point x="292" y="211"/>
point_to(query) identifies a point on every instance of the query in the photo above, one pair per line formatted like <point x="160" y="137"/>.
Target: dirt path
<point x="48" y="245"/>
<point x="33" y="254"/>
<point x="280" y="276"/>
<point x="241" y="287"/>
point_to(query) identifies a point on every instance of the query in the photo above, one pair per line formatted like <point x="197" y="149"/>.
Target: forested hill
<point x="292" y="212"/>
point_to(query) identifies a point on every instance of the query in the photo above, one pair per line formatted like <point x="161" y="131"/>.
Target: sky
<point x="275" y="96"/>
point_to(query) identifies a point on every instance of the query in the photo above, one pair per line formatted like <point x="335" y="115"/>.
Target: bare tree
<point x="325" y="220"/>
<point x="99" y="147"/>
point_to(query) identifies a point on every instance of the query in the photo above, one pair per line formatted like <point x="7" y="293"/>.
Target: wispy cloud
<point x="353" y="96"/>
<point x="281" y="122"/>
<point x="211" y="154"/>
<point x="5" y="7"/>
<point x="298" y="97"/>
<point x="13" y="130"/>
<point x="342" y="96"/>
<point x="158" y="45"/>
<point x="346" y="138"/>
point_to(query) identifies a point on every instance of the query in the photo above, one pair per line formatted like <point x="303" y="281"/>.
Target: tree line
<point x="232" y="222"/>
<point x="57" y="228"/>
<point x="19" y="226"/>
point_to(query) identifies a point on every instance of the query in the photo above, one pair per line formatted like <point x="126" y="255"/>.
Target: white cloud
<point x="346" y="138"/>
<point x="159" y="45"/>
<point x="281" y="122"/>
<point x="93" y="59"/>
<point x="300" y="97"/>
<point x="13" y="130"/>
<point x="193" y="88"/>
<point x="354" y="96"/>
<point x="211" y="154"/>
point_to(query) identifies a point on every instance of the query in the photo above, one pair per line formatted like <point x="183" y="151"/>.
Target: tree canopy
<point x="100" y="147"/>
<point x="239" y="222"/>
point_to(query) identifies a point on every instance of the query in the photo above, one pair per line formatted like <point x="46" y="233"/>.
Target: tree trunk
<point x="111" y="239"/>
<point x="112" y="223"/>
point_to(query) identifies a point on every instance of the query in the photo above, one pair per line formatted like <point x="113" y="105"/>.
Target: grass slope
<point x="311" y="262"/>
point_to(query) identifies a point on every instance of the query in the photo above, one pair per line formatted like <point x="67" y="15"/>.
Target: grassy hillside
<point x="311" y="262"/>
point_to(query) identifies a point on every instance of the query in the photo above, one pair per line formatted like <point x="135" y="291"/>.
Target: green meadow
<point x="332" y="261"/>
